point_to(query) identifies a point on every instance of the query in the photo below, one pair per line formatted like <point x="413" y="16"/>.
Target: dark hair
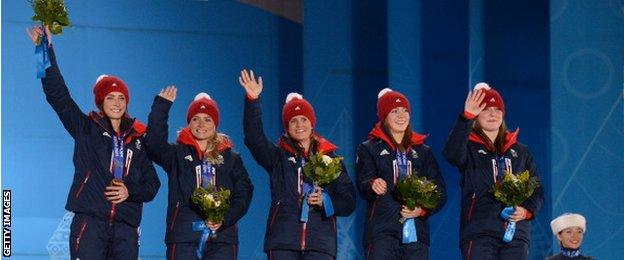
<point x="314" y="143"/>
<point x="499" y="143"/>
<point x="406" y="142"/>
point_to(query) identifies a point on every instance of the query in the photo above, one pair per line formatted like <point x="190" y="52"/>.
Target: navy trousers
<point x="95" y="238"/>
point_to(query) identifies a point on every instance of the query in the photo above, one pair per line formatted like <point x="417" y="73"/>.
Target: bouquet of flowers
<point x="51" y="13"/>
<point x="322" y="169"/>
<point x="418" y="191"/>
<point x="412" y="191"/>
<point x="212" y="202"/>
<point x="513" y="191"/>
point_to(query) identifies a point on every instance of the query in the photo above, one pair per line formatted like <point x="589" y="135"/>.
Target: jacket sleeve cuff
<point x="528" y="215"/>
<point x="250" y="98"/>
<point x="468" y="115"/>
<point x="131" y="192"/>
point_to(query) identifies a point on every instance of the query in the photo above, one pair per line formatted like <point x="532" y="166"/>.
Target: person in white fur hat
<point x="569" y="229"/>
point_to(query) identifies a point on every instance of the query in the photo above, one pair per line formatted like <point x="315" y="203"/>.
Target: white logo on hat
<point x="398" y="100"/>
<point x="492" y="100"/>
<point x="202" y="107"/>
<point x="297" y="108"/>
<point x="114" y="85"/>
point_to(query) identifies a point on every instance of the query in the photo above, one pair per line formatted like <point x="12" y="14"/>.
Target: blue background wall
<point x="557" y="63"/>
<point x="587" y="118"/>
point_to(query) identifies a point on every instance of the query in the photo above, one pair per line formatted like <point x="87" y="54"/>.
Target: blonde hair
<point x="212" y="149"/>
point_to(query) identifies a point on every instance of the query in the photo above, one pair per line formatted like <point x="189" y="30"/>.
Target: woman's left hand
<point x="407" y="213"/>
<point x="117" y="193"/>
<point x="316" y="198"/>
<point x="519" y="214"/>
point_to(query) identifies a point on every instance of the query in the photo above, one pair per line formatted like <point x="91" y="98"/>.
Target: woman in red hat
<point x="392" y="152"/>
<point x="113" y="175"/>
<point x="480" y="146"/>
<point x="201" y="157"/>
<point x="288" y="234"/>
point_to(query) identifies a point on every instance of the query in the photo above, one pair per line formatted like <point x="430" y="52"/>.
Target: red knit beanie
<point x="492" y="97"/>
<point x="203" y="104"/>
<point x="106" y="84"/>
<point x="297" y="106"/>
<point x="388" y="99"/>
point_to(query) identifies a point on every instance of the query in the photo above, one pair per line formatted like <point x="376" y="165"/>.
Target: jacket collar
<point x="511" y="138"/>
<point x="319" y="144"/>
<point x="131" y="128"/>
<point x="379" y="133"/>
<point x="185" y="137"/>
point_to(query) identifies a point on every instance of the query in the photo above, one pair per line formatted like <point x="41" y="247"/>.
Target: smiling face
<point x="114" y="105"/>
<point x="571" y="237"/>
<point x="397" y="120"/>
<point x="490" y="119"/>
<point x="202" y="127"/>
<point x="300" y="128"/>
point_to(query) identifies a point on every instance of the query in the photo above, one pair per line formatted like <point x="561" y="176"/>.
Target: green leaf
<point x="515" y="189"/>
<point x="212" y="202"/>
<point x="321" y="173"/>
<point x="415" y="191"/>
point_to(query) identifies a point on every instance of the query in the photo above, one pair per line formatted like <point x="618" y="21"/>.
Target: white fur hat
<point x="567" y="220"/>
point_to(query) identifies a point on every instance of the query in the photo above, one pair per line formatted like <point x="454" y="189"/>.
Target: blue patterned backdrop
<point x="587" y="127"/>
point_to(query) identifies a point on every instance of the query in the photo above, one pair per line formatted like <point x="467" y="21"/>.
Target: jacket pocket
<point x="175" y="215"/>
<point x="83" y="228"/>
<point x="372" y="212"/>
<point x="84" y="182"/>
<point x="473" y="201"/>
<point x="277" y="207"/>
